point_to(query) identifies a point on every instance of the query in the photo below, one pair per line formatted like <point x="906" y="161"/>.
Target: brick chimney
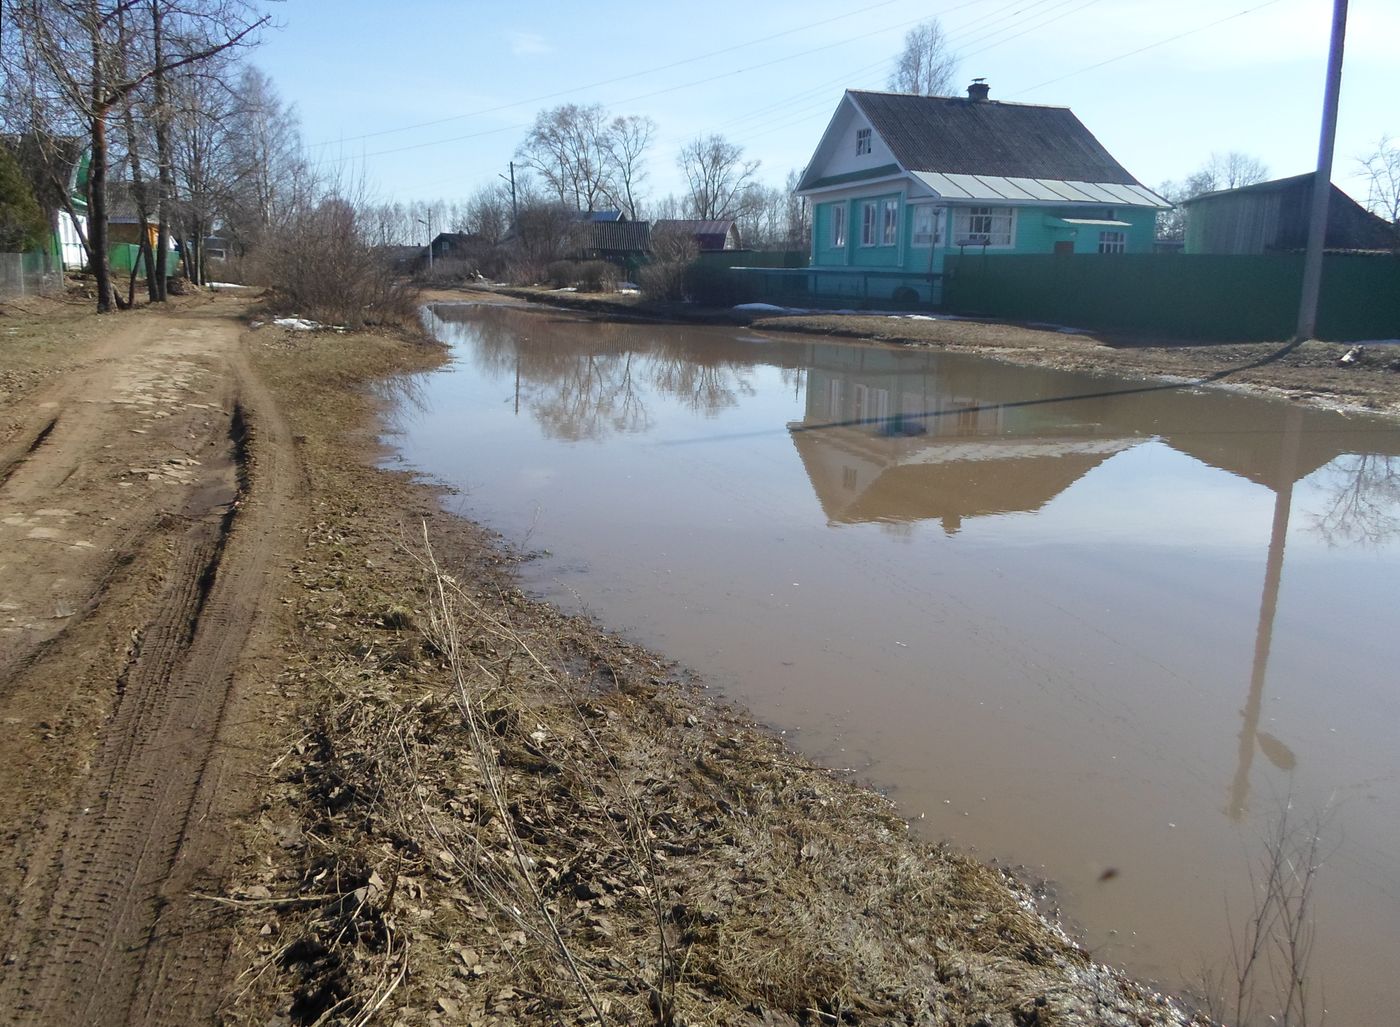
<point x="977" y="92"/>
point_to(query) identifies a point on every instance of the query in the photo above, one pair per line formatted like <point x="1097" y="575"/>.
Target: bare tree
<point x="926" y="64"/>
<point x="624" y="145"/>
<point x="201" y="106"/>
<point x="718" y="177"/>
<point x="1382" y="169"/>
<point x="1222" y="171"/>
<point x="798" y="215"/>
<point x="486" y="213"/>
<point x="271" y="178"/>
<point x="92" y="64"/>
<point x="566" y="149"/>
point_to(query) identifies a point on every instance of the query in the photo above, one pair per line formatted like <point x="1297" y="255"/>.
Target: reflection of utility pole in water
<point x="517" y="382"/>
<point x="1278" y="753"/>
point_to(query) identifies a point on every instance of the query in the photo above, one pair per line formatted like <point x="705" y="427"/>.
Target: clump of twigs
<point x="1269" y="977"/>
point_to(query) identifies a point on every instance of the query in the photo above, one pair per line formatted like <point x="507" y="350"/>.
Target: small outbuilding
<point x="1272" y="217"/>
<point x="710" y="236"/>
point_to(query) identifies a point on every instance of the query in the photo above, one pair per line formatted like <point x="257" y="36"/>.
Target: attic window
<point x="862" y="141"/>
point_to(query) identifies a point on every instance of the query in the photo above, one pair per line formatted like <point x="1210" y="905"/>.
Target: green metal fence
<point x="122" y="257"/>
<point x="1178" y="296"/>
<point x="753" y="258"/>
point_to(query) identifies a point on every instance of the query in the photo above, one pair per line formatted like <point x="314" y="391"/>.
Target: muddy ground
<point x="286" y="745"/>
<point x="1313" y="372"/>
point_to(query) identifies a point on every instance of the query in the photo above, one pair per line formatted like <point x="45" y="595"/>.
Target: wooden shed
<point x="1273" y="217"/>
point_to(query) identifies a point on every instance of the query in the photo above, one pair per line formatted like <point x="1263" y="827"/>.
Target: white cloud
<point x="528" y="43"/>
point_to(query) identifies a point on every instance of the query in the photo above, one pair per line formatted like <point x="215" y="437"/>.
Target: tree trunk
<point x="164" y="170"/>
<point x="97" y="213"/>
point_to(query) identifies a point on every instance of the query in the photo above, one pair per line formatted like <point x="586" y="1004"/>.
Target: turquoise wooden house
<point x="899" y="181"/>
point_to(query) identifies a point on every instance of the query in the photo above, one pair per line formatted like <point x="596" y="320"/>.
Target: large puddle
<point x="1105" y="635"/>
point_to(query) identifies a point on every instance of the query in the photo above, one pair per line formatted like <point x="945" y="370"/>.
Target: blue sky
<point x="368" y="77"/>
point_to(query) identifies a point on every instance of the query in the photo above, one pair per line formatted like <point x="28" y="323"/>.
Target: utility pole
<point x="514" y="207"/>
<point x="1322" y="180"/>
<point x="429" y="225"/>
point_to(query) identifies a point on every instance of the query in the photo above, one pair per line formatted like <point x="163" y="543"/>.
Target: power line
<point x="632" y="99"/>
<point x="605" y="82"/>
<point x="1150" y="46"/>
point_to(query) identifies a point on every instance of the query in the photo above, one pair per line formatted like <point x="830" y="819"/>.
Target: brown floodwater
<point x="1101" y="630"/>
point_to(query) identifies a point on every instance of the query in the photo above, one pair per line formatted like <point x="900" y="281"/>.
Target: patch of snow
<point x="628" y="291"/>
<point x="225" y="285"/>
<point x="297" y="324"/>
<point x="769" y="308"/>
<point x="567" y="288"/>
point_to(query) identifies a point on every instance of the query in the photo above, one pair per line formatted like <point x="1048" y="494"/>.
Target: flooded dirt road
<point x="1104" y="631"/>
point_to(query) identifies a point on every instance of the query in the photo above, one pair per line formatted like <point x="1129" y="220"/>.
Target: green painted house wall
<point x="1036" y="229"/>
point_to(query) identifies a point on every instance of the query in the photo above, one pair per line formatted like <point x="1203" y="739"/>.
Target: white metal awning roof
<point x="994" y="188"/>
<point x="1101" y="222"/>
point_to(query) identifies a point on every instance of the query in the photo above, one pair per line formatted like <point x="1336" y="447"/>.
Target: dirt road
<point x="144" y="500"/>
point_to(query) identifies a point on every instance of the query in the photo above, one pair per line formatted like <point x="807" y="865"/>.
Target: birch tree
<point x="927" y="64"/>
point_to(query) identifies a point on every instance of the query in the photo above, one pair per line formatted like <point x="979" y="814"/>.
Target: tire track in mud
<point x="30" y="441"/>
<point x="104" y="891"/>
<point x="105" y="930"/>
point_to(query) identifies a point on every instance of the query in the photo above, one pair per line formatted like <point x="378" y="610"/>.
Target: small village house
<point x="899" y="181"/>
<point x="1272" y="217"/>
<point x="709" y="236"/>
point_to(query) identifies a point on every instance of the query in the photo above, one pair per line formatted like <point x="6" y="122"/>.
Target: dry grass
<point x="489" y="812"/>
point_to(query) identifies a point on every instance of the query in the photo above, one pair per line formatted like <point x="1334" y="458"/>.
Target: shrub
<point x="597" y="276"/>
<point x="662" y="280"/>
<point x="319" y="264"/>
<point x="561" y="274"/>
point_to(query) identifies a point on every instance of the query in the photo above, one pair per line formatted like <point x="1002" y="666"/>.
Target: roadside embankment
<point x="485" y="811"/>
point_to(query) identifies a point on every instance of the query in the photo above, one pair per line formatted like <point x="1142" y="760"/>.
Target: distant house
<point x="900" y="181"/>
<point x="57" y="168"/>
<point x="1273" y="217"/>
<point x="708" y="235"/>
<point x="621" y="242"/>
<point x="467" y="246"/>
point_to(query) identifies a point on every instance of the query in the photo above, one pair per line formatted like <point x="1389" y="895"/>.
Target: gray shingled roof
<point x="958" y="136"/>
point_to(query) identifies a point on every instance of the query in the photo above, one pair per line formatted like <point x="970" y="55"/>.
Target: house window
<point x="984" y="226"/>
<point x="862" y="141"/>
<point x="925" y="225"/>
<point x="1113" y="242"/>
<point x="889" y="225"/>
<point x="867" y="224"/>
<point x="838" y="225"/>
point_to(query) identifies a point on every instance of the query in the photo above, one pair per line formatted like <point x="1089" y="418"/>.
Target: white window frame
<point x="889" y="223"/>
<point x="994" y="227"/>
<point x="924" y="229"/>
<point x="1113" y="241"/>
<point x="838" y="226"/>
<point x="868" y="222"/>
<point x="862" y="141"/>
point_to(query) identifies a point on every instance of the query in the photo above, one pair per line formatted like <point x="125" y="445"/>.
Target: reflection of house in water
<point x="898" y="437"/>
<point x="886" y="437"/>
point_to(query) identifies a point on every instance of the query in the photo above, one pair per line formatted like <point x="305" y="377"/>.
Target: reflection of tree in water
<point x="706" y="388"/>
<point x="1364" y="495"/>
<point x="584" y="380"/>
<point x="589" y="397"/>
<point x="404" y="396"/>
